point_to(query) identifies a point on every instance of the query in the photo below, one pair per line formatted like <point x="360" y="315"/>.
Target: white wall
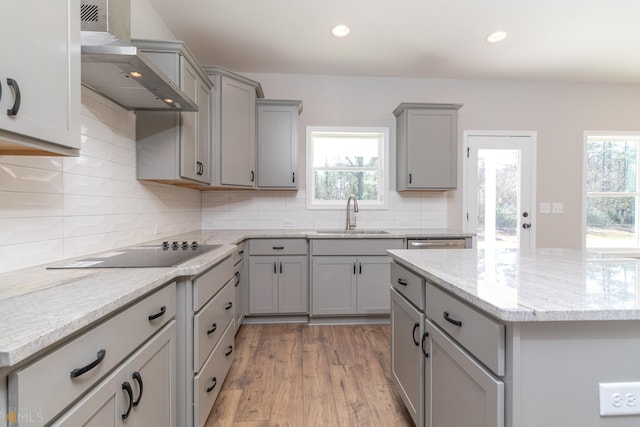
<point x="53" y="208"/>
<point x="559" y="112"/>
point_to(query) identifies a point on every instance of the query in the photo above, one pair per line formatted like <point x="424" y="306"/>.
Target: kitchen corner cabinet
<point x="277" y="142"/>
<point x="175" y="147"/>
<point x="233" y="124"/>
<point x="40" y="111"/>
<point x="351" y="276"/>
<point x="278" y="276"/>
<point x="426" y="146"/>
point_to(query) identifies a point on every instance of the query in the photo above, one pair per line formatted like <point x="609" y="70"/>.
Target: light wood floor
<point x="300" y="376"/>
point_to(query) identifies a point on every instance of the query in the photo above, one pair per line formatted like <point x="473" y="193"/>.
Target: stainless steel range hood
<point x="115" y="68"/>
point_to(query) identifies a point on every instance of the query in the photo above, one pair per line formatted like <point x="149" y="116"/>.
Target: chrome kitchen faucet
<point x="351" y="225"/>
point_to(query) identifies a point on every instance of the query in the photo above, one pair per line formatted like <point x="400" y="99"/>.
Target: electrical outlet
<point x="619" y="398"/>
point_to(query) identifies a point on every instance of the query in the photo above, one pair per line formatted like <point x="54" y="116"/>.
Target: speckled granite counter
<point x="539" y="285"/>
<point x="39" y="307"/>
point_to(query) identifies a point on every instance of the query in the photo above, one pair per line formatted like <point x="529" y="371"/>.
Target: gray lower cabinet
<point x="407" y="358"/>
<point x="141" y="392"/>
<point x="175" y="148"/>
<point x="350" y="285"/>
<point x="459" y="392"/>
<point x="427" y="146"/>
<point x="278" y="285"/>
<point x="239" y="284"/>
<point x="277" y="143"/>
<point x="104" y="366"/>
<point x="351" y="276"/>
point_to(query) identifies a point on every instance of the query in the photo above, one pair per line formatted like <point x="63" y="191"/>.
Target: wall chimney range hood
<point x="116" y="69"/>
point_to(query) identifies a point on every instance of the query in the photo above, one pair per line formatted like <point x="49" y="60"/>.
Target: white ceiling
<point x="562" y="40"/>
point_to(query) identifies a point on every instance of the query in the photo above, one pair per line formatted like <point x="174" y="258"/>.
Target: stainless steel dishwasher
<point x="440" y="243"/>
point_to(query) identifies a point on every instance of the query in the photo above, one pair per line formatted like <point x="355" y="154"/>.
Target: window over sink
<point x="347" y="160"/>
<point x="612" y="190"/>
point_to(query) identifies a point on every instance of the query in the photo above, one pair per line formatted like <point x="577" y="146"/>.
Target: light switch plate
<point x="619" y="398"/>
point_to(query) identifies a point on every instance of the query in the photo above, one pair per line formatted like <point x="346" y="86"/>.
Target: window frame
<point x="620" y="136"/>
<point x="312" y="203"/>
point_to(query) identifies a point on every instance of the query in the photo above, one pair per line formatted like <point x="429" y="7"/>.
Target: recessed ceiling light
<point x="496" y="37"/>
<point x="340" y="30"/>
<point x="135" y="74"/>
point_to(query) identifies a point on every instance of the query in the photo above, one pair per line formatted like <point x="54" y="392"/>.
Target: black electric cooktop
<point x="164" y="255"/>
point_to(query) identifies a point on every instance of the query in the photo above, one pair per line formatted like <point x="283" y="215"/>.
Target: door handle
<point x="13" y="111"/>
<point x="526" y="226"/>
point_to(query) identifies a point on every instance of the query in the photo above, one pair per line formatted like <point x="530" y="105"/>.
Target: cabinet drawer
<point x="47" y="383"/>
<point x="408" y="284"/>
<point x="208" y="284"/>
<point x="358" y="247"/>
<point x="278" y="247"/>
<point x="480" y="335"/>
<point x="208" y="382"/>
<point x="210" y="323"/>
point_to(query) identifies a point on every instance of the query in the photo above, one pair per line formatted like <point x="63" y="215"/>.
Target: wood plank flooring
<point x="297" y="375"/>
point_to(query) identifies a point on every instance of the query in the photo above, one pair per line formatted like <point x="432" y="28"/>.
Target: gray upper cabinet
<point x="426" y="144"/>
<point x="175" y="147"/>
<point x="40" y="78"/>
<point x="277" y="123"/>
<point x="233" y="113"/>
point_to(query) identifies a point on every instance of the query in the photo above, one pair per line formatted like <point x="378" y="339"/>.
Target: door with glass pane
<point x="499" y="191"/>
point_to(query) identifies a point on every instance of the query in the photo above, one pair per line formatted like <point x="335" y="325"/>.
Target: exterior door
<point x="500" y="188"/>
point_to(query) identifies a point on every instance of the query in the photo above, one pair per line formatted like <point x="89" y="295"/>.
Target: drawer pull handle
<point x="402" y="282"/>
<point x="424" y="338"/>
<point x="229" y="350"/>
<point x="136" y="376"/>
<point x="213" y="329"/>
<point x="413" y="334"/>
<point x="237" y="278"/>
<point x="163" y="310"/>
<point x="228" y="306"/>
<point x="277" y="248"/>
<point x="127" y="387"/>
<point x="215" y="382"/>
<point x="450" y="320"/>
<point x="99" y="358"/>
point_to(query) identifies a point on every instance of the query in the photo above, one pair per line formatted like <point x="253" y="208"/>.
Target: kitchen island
<point x="519" y="338"/>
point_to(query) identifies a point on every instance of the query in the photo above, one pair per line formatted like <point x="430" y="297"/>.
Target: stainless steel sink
<point x="362" y="231"/>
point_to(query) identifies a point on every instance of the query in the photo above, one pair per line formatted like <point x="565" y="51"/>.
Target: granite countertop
<point x="535" y="285"/>
<point x="39" y="307"/>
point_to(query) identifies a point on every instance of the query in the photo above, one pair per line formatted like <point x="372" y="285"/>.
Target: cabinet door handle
<point x="275" y="268"/>
<point x="410" y="178"/>
<point x="214" y="326"/>
<point x="13" y="111"/>
<point x="99" y="358"/>
<point x="229" y="350"/>
<point x="138" y="378"/>
<point x="253" y="176"/>
<point x="402" y="282"/>
<point x="424" y="338"/>
<point x="280" y="267"/>
<point x="237" y="278"/>
<point x="354" y="268"/>
<point x="277" y="248"/>
<point x="359" y="268"/>
<point x="215" y="381"/>
<point x="413" y="334"/>
<point x="228" y="306"/>
<point x="127" y="387"/>
<point x="293" y="177"/>
<point x="163" y="310"/>
<point x="445" y="314"/>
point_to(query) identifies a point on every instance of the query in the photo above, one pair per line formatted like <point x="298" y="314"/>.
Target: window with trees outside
<point x="612" y="191"/>
<point x="344" y="161"/>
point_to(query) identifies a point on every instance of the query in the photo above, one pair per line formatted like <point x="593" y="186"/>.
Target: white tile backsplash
<point x="54" y="208"/>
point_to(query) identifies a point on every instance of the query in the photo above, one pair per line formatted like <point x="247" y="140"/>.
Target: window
<point x="345" y="161"/>
<point x="611" y="203"/>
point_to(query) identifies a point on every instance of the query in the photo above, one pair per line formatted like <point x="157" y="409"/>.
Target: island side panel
<point x="556" y="368"/>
